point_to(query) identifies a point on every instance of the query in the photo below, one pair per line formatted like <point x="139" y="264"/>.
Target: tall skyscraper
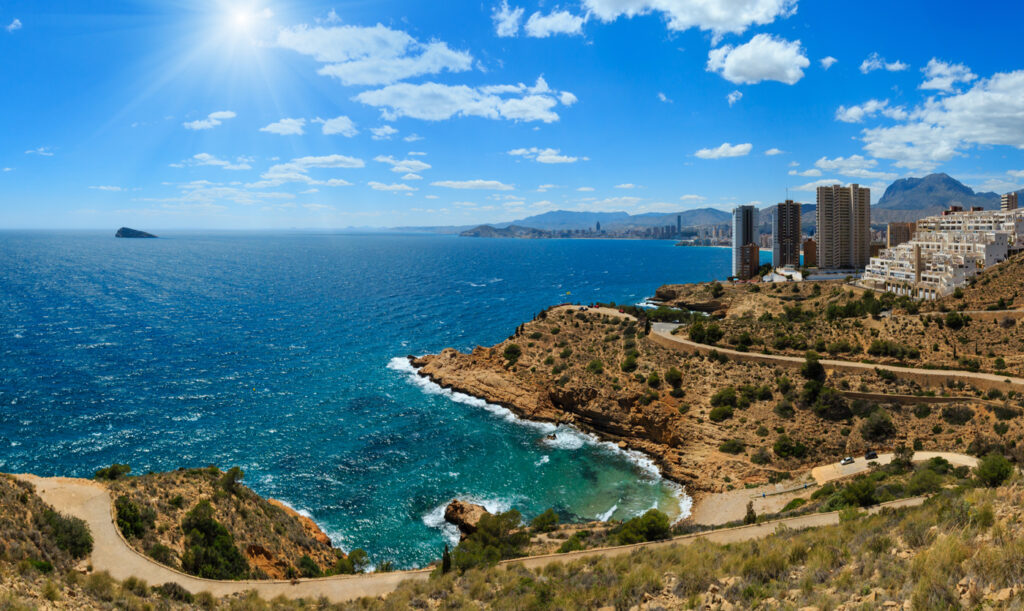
<point x="679" y="224"/>
<point x="786" y="234"/>
<point x="1008" y="201"/>
<point x="844" y="227"/>
<point x="744" y="229"/>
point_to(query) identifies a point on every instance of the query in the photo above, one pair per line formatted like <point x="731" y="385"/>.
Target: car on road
<point x="871" y="455"/>
<point x="847" y="461"/>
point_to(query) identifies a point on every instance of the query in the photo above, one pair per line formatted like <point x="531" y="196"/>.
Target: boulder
<point x="464" y="515"/>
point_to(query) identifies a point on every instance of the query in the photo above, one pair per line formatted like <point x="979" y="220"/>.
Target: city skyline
<point x="265" y="115"/>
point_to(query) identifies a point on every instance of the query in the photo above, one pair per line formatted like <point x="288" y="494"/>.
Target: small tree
<point x="512" y="353"/>
<point x="446" y="560"/>
<point x="751" y="515"/>
<point x="229" y="481"/>
<point x="545" y="522"/>
<point x="993" y="470"/>
<point x="812" y="368"/>
<point x="113" y="472"/>
<point x="674" y="377"/>
<point x="903" y="456"/>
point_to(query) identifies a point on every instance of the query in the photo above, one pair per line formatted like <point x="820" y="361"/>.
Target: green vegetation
<point x="113" y="472"/>
<point x="720" y="413"/>
<point x="957" y="414"/>
<point x="785" y="447"/>
<point x="132" y="520"/>
<point x="545" y="522"/>
<point x="993" y="470"/>
<point x="68" y="533"/>
<point x="652" y="526"/>
<point x="512" y="353"/>
<point x="229" y="481"/>
<point x="877" y="427"/>
<point x="732" y="446"/>
<point x="497" y="537"/>
<point x="210" y="549"/>
<point x="595" y="366"/>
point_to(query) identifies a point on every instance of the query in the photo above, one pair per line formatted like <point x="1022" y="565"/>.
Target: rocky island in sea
<point x="126" y="232"/>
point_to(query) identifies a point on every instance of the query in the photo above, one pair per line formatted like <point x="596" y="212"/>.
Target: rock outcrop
<point x="308" y="524"/>
<point x="125" y="232"/>
<point x="464" y="515"/>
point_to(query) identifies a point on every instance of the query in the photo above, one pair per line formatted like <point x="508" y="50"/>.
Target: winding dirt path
<point x="92" y="502"/>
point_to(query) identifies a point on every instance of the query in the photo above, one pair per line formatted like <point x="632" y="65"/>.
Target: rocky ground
<point x="599" y="372"/>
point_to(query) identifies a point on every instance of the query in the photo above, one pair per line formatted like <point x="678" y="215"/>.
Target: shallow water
<point x="283" y="354"/>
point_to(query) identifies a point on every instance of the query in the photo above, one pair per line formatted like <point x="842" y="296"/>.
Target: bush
<point x="955" y="320"/>
<point x="68" y="533"/>
<point x="924" y="481"/>
<point x="993" y="470"/>
<point x="512" y="353"/>
<point x="732" y="446"/>
<point x="545" y="522"/>
<point x="595" y="366"/>
<point x="113" y="472"/>
<point x="812" y="368"/>
<point x="784" y="409"/>
<point x="174" y="591"/>
<point x="831" y="405"/>
<point x="724" y="397"/>
<point x="132" y="520"/>
<point x="229" y="481"/>
<point x="957" y="414"/>
<point x="761" y="457"/>
<point x="210" y="549"/>
<point x="674" y="377"/>
<point x="497" y="537"/>
<point x="877" y="427"/>
<point x="652" y="526"/>
<point x="720" y="413"/>
<point x="860" y="492"/>
<point x="653" y="380"/>
<point x="629" y="364"/>
<point x="308" y="567"/>
<point x="794" y="504"/>
<point x="162" y="554"/>
<point x="357" y="561"/>
<point x="785" y="447"/>
<point x="922" y="410"/>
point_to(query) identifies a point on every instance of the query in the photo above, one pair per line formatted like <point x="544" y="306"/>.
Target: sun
<point x="241" y="19"/>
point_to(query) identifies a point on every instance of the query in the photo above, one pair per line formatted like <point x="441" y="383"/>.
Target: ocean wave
<point x="604" y="517"/>
<point x="543" y="461"/>
<point x="435" y="517"/>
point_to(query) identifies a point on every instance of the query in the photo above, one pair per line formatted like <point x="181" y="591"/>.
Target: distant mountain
<point x="512" y="231"/>
<point x="808" y="219"/>
<point x="933" y="192"/>
<point x="560" y="220"/>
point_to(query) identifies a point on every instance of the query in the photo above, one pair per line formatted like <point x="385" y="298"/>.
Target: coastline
<point x="651" y="463"/>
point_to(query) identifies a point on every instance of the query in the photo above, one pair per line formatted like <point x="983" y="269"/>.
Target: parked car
<point x="871" y="455"/>
<point x="847" y="461"/>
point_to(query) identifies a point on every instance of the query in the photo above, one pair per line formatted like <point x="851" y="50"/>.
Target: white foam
<point x="543" y="461"/>
<point x="435" y="517"/>
<point x="604" y="517"/>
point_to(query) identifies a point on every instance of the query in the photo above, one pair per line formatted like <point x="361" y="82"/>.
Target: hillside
<point x="909" y="199"/>
<point x="511" y="231"/>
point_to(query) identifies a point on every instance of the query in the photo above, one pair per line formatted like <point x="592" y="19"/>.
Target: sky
<point x="279" y="114"/>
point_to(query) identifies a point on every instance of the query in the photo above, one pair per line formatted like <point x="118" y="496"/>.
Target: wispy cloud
<point x="212" y="120"/>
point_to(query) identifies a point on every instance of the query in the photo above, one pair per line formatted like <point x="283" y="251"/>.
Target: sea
<point x="285" y="354"/>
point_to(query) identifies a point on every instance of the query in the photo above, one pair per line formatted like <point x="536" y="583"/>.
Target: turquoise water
<point x="283" y="354"/>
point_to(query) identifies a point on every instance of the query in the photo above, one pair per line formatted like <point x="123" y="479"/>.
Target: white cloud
<point x="812" y="186"/>
<point x="14" y="25"/>
<point x="943" y="76"/>
<point x="774" y="151"/>
<point x="212" y="120"/>
<point x="286" y="127"/>
<point x="725" y="150"/>
<point x="548" y="155"/>
<point x="763" y="58"/>
<point x="490" y="185"/>
<point x="625" y="185"/>
<point x="45" y="151"/>
<point x="338" y="125"/>
<point x="1014" y="173"/>
<point x="201" y="159"/>
<point x="416" y="154"/>
<point x="690" y="197"/>
<point x="811" y="172"/>
<point x="8" y="169"/>
<point x="403" y="165"/>
<point x="384" y="132"/>
<point x="734" y="97"/>
<point x="107" y="188"/>
<point x="436" y="102"/>
<point x="991" y="112"/>
<point x="556" y="22"/>
<point x="827" y="62"/>
<point x="664" y="98"/>
<point x="855" y="166"/>
<point x="411" y="176"/>
<point x="375" y="55"/>
<point x="506" y="19"/>
<point x="317" y="207"/>
<point x="379" y="186"/>
<point x="585" y="189"/>
<point x="716" y="16"/>
<point x="297" y="170"/>
<point x="877" y="62"/>
<point x="856" y="114"/>
<point x="413" y="138"/>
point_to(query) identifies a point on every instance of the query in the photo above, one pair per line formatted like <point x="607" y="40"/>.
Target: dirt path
<point x="834" y="471"/>
<point x="661" y="333"/>
<point x="91" y="502"/>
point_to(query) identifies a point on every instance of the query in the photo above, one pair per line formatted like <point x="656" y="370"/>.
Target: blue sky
<point x="280" y="114"/>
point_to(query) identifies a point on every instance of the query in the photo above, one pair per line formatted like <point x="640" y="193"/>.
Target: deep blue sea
<point x="282" y="354"/>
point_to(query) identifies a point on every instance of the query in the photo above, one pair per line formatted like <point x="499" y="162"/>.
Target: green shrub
<point x="573" y="543"/>
<point x="794" y="504"/>
<point x="595" y="366"/>
<point x="308" y="567"/>
<point x="993" y="470"/>
<point x="760" y="457"/>
<point x="784" y="409"/>
<point x="924" y="481"/>
<point x="732" y="446"/>
<point x="629" y="364"/>
<point x="545" y="522"/>
<point x="68" y="533"/>
<point x="674" y="377"/>
<point x="922" y="410"/>
<point x="162" y="554"/>
<point x="812" y="368"/>
<point x="877" y="427"/>
<point x="497" y="537"/>
<point x="720" y="413"/>
<point x="229" y="481"/>
<point x="957" y="414"/>
<point x="724" y="397"/>
<point x="512" y="353"/>
<point x="653" y="380"/>
<point x="131" y="519"/>
<point x="652" y="526"/>
<point x="173" y="591"/>
<point x="113" y="472"/>
<point x="785" y="447"/>
<point x="210" y="549"/>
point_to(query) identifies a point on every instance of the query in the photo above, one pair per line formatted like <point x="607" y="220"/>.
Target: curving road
<point x="92" y="502"/>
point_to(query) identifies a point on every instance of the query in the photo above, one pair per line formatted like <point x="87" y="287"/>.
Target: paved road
<point x="91" y="502"/>
<point x="834" y="471"/>
<point x="662" y="334"/>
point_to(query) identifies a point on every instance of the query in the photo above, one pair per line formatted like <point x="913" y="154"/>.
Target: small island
<point x="126" y="232"/>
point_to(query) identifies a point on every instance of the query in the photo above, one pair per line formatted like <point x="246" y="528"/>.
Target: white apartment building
<point x="945" y="252"/>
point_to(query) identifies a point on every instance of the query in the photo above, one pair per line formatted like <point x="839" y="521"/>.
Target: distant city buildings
<point x="843" y="227"/>
<point x="744" y="233"/>
<point x="786" y="234"/>
<point x="1008" y="201"/>
<point x="946" y="251"/>
<point x="898" y="233"/>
